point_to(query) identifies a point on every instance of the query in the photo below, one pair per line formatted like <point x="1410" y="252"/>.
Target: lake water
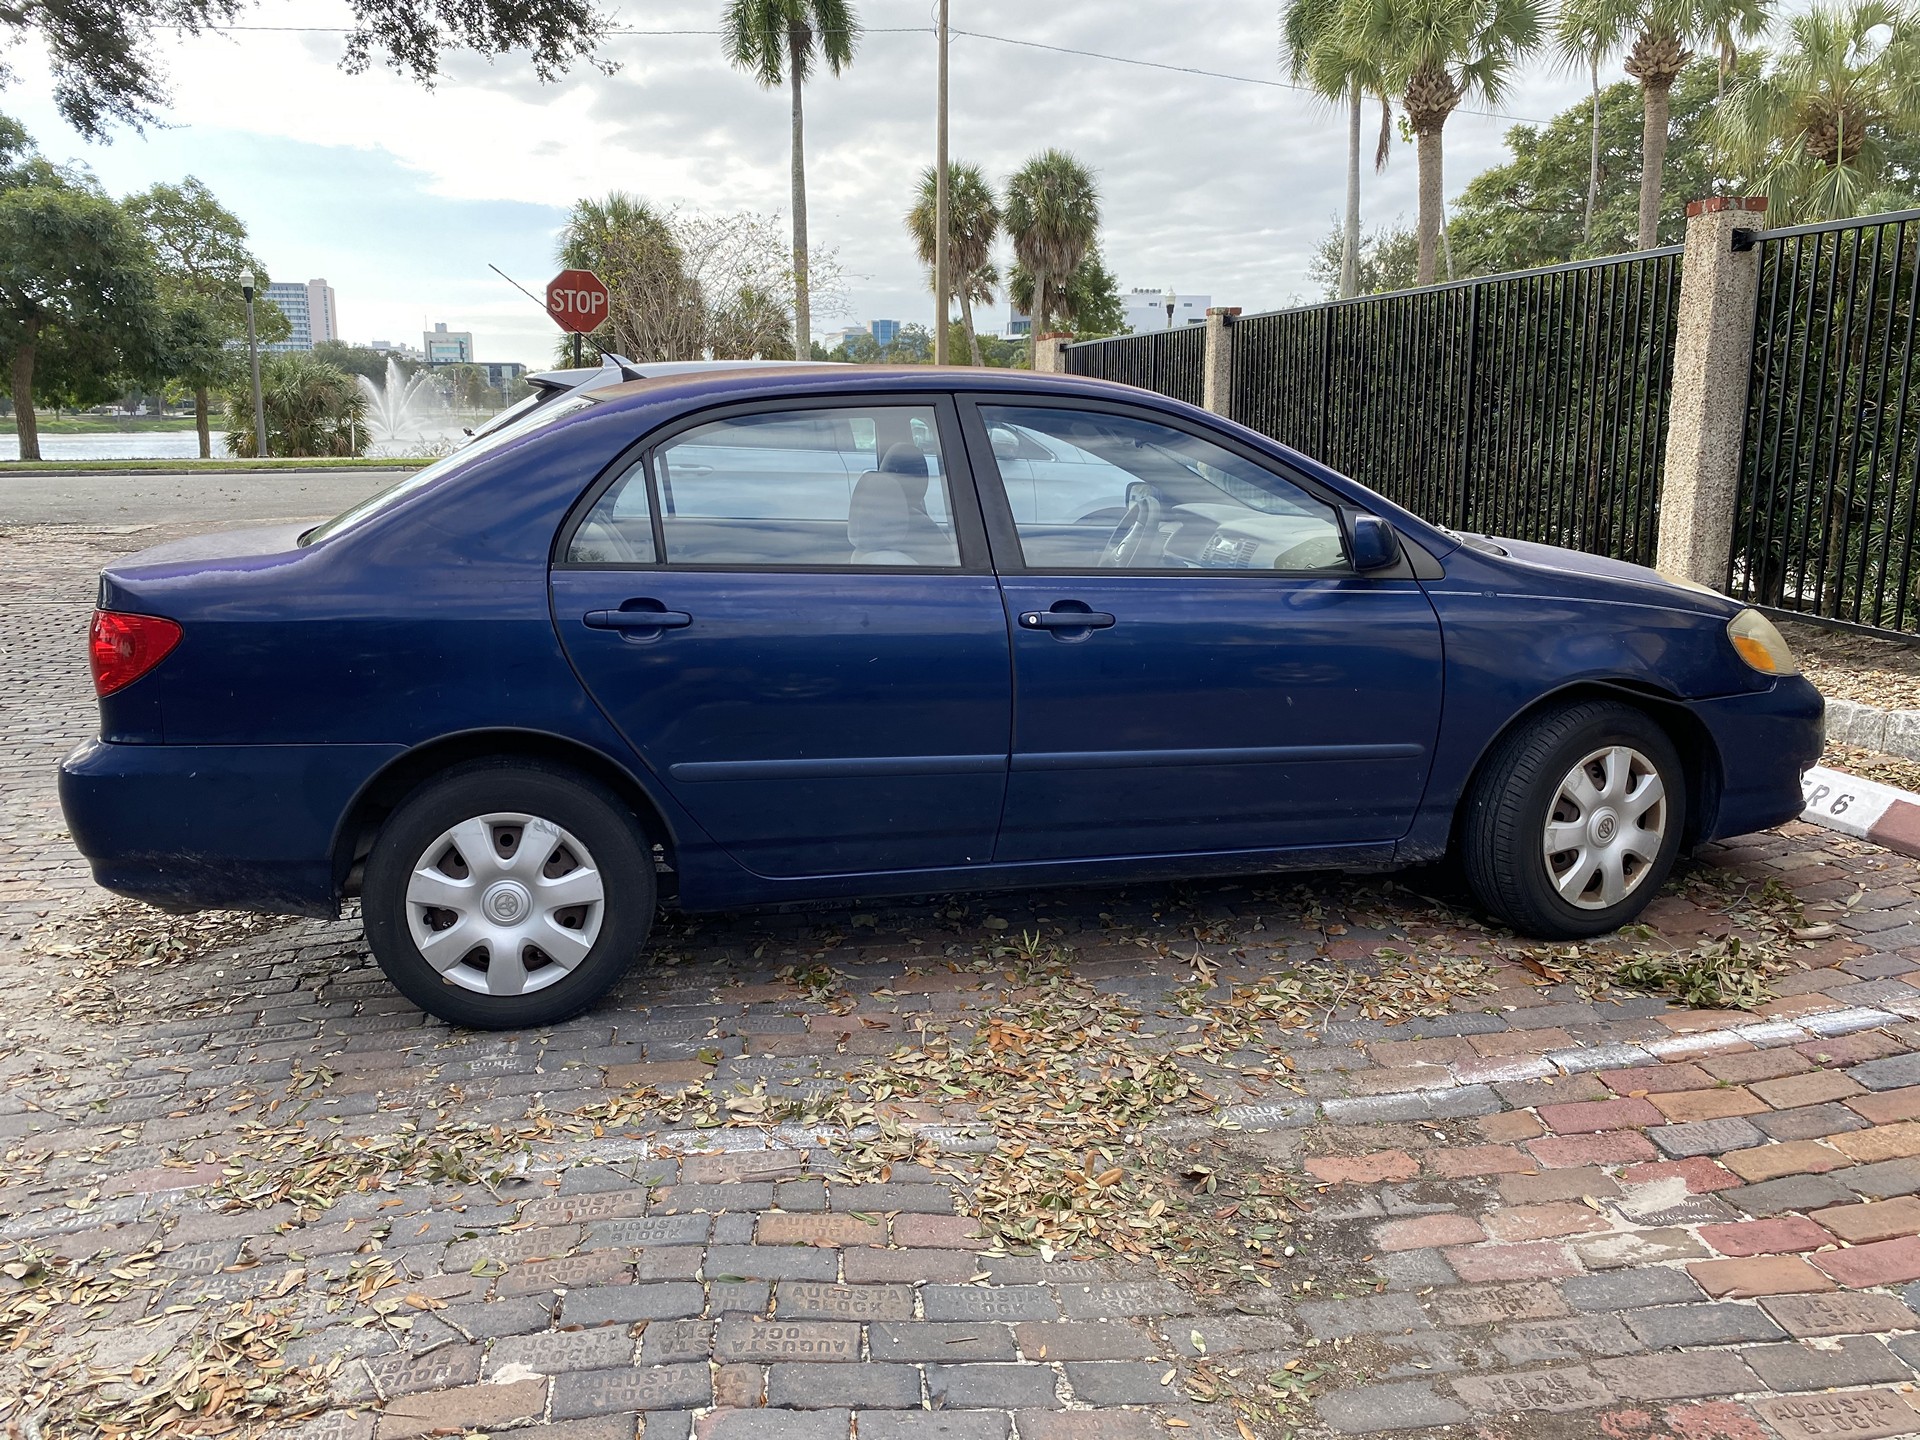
<point x="127" y="445"/>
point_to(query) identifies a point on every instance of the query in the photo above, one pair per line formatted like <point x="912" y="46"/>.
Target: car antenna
<point x="518" y="286"/>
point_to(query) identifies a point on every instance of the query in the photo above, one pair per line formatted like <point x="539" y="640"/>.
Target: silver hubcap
<point x="505" y="904"/>
<point x="1605" y="827"/>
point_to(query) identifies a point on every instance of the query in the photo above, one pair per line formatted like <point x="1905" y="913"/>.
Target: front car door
<point x="1206" y="674"/>
<point x="808" y="649"/>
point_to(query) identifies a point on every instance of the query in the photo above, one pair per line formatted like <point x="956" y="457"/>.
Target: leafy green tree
<point x="654" y="307"/>
<point x="780" y="41"/>
<point x="1090" y="302"/>
<point x="1316" y="43"/>
<point x="77" y="296"/>
<point x="105" y="68"/>
<point x="312" y="408"/>
<point x="1389" y="259"/>
<point x="359" y="359"/>
<point x="1658" y="36"/>
<point x="973" y="224"/>
<point x="1440" y="54"/>
<point x="1820" y="126"/>
<point x="1052" y="213"/>
<point x="1531" y="210"/>
<point x="201" y="249"/>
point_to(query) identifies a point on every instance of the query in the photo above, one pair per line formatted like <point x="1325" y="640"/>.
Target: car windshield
<point x="440" y="469"/>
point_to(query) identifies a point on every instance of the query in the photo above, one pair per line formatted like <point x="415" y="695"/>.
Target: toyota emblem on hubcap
<point x="508" y="903"/>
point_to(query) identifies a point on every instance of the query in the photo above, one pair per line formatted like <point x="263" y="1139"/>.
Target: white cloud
<point x="400" y="194"/>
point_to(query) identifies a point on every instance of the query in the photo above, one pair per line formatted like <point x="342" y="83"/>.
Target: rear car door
<point x="1206" y="673"/>
<point x="816" y="668"/>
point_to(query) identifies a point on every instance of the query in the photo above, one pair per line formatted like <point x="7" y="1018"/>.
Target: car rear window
<point x="386" y="499"/>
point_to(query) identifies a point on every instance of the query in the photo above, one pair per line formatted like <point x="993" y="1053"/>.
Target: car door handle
<point x="1065" y="620"/>
<point x="638" y="619"/>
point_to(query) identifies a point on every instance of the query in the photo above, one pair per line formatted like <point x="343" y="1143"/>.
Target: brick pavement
<point x="1541" y="1209"/>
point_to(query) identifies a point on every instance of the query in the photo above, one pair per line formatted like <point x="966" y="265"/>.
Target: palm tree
<point x="1587" y="33"/>
<point x="1662" y="34"/>
<point x="973" y="223"/>
<point x="1314" y="45"/>
<point x="1813" y="125"/>
<point x="780" y="40"/>
<point x="1440" y="53"/>
<point x="1052" y="213"/>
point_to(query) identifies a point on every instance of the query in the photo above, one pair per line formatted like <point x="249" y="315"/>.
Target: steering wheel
<point x="1140" y="524"/>
<point x="604" y="534"/>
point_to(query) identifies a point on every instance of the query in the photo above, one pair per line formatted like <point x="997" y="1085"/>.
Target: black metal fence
<point x="1172" y="362"/>
<point x="1531" y="405"/>
<point x="1830" y="478"/>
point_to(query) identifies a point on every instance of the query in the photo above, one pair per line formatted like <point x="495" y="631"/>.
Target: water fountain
<point x="399" y="413"/>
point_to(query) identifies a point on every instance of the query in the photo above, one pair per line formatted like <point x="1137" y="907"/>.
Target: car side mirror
<point x="1372" y="544"/>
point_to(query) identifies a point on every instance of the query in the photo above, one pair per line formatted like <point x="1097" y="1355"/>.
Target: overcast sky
<point x="401" y="196"/>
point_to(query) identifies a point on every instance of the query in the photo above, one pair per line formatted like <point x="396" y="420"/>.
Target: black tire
<point x="588" y="813"/>
<point x="1503" y="831"/>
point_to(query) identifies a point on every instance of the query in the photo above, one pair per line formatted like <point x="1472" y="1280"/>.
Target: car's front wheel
<point x="1575" y="821"/>
<point x="504" y="896"/>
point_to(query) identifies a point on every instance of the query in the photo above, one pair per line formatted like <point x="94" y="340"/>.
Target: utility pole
<point x="942" y="218"/>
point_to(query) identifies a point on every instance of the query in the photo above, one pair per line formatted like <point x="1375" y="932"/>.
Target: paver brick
<point x="1465" y="1161"/>
<point x="1388" y="1314"/>
<point x="1587" y="1117"/>
<point x="1676" y="1377"/>
<point x="1691" y="1106"/>
<point x="1706" y="1137"/>
<point x="1544" y="1186"/>
<point x="1862" y="1414"/>
<point x="582" y="1393"/>
<point x="1123" y="1299"/>
<point x="1803" y="1316"/>
<point x="984" y="1302"/>
<point x="807" y="1228"/>
<point x="1607" y="1147"/>
<point x="773" y="1425"/>
<point x="1088" y="1425"/>
<point x="552" y="1351"/>
<point x="910" y="1340"/>
<point x="1809" y="1122"/>
<point x="464" y="1407"/>
<point x="1083" y="1340"/>
<point x="1791" y="1157"/>
<point x="1817" y="1087"/>
<point x="1533" y="1260"/>
<point x="818" y="1387"/>
<point x="1758" y="1275"/>
<point x="1701" y="1175"/>
<point x="814" y="1300"/>
<point x="603" y="1304"/>
<point x="1642" y="1080"/>
<point x="1497" y="1304"/>
<point x="942" y="1232"/>
<point x="941" y="1267"/>
<point x="1791" y="1192"/>
<point x="992" y="1387"/>
<point x="1122" y="1382"/>
<point x="1626" y="1289"/>
<point x="1886" y="1107"/>
<point x="1387" y="1165"/>
<point x="1543" y="1222"/>
<point x="737" y="1338"/>
<point x="1874" y="1220"/>
<point x="1424" y="1230"/>
<point x="1895" y="1072"/>
<point x="1677" y="1327"/>
<point x="1782" y="1235"/>
<point x="1369" y="1409"/>
<point x="1882" y="1142"/>
<point x="1748" y="1066"/>
<point x="1884" y="1179"/>
<point x="1855" y="1360"/>
<point x="1554" y="1391"/>
<point x="1621" y="1249"/>
<point x="934" y="1425"/>
<point x="1578" y="1337"/>
<point x="1884" y="1262"/>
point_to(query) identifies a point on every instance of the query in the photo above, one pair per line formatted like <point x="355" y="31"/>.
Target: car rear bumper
<point x="190" y="827"/>
<point x="1766" y="742"/>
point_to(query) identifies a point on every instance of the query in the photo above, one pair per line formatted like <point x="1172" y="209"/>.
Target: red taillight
<point x="125" y="647"/>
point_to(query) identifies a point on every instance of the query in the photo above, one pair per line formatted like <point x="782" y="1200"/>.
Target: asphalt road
<point x="215" y="499"/>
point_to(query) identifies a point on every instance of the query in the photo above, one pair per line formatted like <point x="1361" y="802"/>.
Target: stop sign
<point x="577" y="301"/>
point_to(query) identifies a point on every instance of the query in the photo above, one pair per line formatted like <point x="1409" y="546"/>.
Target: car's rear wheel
<point x="1575" y="821"/>
<point x="503" y="896"/>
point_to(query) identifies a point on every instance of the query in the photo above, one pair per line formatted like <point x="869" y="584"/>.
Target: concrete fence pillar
<point x="1050" y="353"/>
<point x="1216" y="389"/>
<point x="1712" y="357"/>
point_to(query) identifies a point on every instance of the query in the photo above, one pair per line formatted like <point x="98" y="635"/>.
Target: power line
<point x="1193" y="70"/>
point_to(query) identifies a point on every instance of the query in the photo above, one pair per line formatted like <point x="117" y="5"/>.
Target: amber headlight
<point x="1761" y="645"/>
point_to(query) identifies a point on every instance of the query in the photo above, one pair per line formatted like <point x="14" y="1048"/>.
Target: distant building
<point x="884" y="331"/>
<point x="1147" y="310"/>
<point x="395" y="347"/>
<point x="838" y="339"/>
<point x="1019" y="326"/>
<point x="312" y="313"/>
<point x="447" y="347"/>
<point x="502" y="374"/>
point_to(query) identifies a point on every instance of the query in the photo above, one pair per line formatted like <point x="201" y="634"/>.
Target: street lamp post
<point x="943" y="277"/>
<point x="1169" y="299"/>
<point x="253" y="362"/>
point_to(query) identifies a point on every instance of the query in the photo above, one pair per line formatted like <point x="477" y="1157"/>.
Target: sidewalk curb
<point x="1867" y="727"/>
<point x="1864" y="809"/>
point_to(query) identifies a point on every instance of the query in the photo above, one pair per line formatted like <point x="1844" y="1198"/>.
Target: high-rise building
<point x="447" y="347"/>
<point x="312" y="313"/>
<point x="1146" y="310"/>
<point x="884" y="331"/>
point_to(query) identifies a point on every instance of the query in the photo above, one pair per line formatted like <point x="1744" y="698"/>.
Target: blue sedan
<point x="756" y="636"/>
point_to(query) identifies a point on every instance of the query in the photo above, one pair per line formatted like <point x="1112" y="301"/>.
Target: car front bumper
<point x="1766" y="742"/>
<point x="193" y="827"/>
